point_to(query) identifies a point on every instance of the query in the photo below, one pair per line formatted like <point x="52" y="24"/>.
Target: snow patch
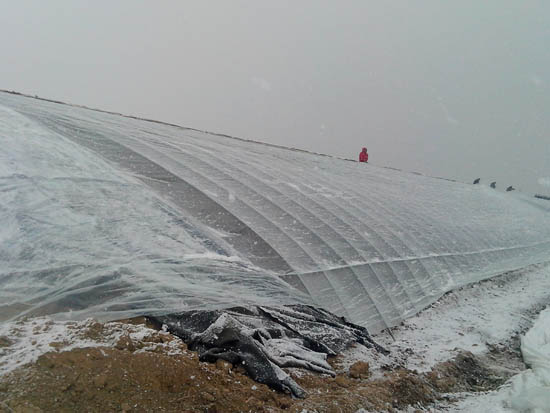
<point x="22" y="342"/>
<point x="472" y="318"/>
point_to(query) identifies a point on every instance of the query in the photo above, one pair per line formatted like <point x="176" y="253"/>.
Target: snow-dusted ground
<point x="528" y="391"/>
<point x="476" y="318"/>
<point x="473" y="318"/>
<point x="30" y="338"/>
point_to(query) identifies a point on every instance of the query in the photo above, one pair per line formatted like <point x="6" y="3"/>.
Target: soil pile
<point x="158" y="373"/>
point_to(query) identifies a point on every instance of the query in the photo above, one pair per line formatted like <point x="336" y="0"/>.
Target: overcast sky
<point x="456" y="89"/>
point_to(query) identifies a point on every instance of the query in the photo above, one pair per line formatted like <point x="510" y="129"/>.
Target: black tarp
<point x="265" y="339"/>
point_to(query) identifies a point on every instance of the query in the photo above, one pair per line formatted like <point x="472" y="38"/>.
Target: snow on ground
<point x="477" y="318"/>
<point x="474" y="318"/>
<point x="489" y="402"/>
<point x="22" y="342"/>
<point x="528" y="391"/>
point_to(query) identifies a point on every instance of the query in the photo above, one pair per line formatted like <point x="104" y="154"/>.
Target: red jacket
<point x="363" y="156"/>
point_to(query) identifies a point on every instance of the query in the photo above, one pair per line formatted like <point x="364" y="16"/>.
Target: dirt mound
<point x="464" y="373"/>
<point x="156" y="372"/>
<point x="120" y="379"/>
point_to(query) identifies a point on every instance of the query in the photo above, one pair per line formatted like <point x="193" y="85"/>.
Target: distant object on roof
<point x="476" y="181"/>
<point x="510" y="188"/>
<point x="493" y="184"/>
<point x="542" y="197"/>
<point x="363" y="155"/>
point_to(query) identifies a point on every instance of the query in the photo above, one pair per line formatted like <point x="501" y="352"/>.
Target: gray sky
<point x="456" y="89"/>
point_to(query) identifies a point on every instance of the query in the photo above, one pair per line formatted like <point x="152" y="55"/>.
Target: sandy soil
<point x="158" y="373"/>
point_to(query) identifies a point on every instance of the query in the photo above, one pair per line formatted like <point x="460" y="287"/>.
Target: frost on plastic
<point x="109" y="216"/>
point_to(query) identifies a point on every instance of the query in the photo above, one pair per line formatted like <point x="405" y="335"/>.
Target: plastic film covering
<point x="111" y="216"/>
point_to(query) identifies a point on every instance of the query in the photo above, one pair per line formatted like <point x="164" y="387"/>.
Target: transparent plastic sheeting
<point x="108" y="216"/>
<point x="530" y="390"/>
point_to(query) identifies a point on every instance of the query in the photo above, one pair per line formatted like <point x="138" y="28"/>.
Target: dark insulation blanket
<point x="265" y="339"/>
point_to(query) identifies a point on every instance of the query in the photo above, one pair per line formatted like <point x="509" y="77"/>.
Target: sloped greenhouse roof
<point x="110" y="216"/>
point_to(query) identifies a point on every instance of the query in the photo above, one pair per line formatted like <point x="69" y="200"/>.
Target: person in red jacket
<point x="364" y="156"/>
